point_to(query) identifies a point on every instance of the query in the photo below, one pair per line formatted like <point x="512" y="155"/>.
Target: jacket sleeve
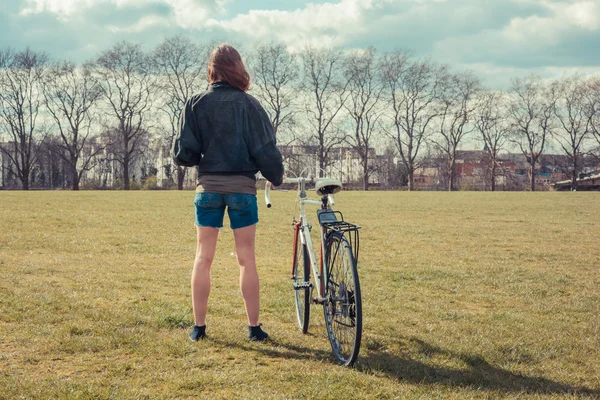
<point x="187" y="145"/>
<point x="262" y="143"/>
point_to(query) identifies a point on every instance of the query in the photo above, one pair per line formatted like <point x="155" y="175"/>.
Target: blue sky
<point x="497" y="39"/>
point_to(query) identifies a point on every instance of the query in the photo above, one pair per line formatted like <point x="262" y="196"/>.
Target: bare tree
<point x="456" y="112"/>
<point x="69" y="95"/>
<point x="575" y="123"/>
<point x="326" y="91"/>
<point x="415" y="88"/>
<point x="530" y="116"/>
<point x="181" y="68"/>
<point x="21" y="76"/>
<point x="593" y="109"/>
<point x="364" y="103"/>
<point x="127" y="82"/>
<point x="115" y="149"/>
<point x="490" y="120"/>
<point x="275" y="74"/>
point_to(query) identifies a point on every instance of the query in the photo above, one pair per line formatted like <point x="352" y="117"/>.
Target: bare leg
<point x="244" y="245"/>
<point x="205" y="253"/>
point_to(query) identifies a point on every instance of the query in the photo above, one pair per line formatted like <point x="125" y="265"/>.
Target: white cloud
<point x="562" y="18"/>
<point x="187" y="13"/>
<point x="143" y="24"/>
<point x="584" y="14"/>
<point x="559" y="35"/>
<point x="326" y="24"/>
<point x="194" y="14"/>
<point x="66" y="8"/>
<point x="497" y="38"/>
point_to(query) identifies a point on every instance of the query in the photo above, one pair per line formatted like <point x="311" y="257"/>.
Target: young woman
<point x="226" y="134"/>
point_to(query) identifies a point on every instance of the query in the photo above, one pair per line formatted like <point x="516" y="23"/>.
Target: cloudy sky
<point x="497" y="39"/>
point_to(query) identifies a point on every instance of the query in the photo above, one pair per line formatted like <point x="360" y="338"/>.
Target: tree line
<point x="323" y="97"/>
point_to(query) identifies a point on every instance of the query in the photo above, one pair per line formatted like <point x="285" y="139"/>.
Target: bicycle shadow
<point x="480" y="374"/>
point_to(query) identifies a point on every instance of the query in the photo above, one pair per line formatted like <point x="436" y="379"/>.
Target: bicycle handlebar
<point x="290" y="180"/>
<point x="268" y="188"/>
<point x="268" y="194"/>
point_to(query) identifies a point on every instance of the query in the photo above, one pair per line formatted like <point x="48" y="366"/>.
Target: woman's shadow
<point x="479" y="374"/>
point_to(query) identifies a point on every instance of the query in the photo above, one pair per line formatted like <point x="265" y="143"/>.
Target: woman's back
<point x="233" y="133"/>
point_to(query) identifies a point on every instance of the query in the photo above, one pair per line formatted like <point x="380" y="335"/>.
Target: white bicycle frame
<point x="304" y="227"/>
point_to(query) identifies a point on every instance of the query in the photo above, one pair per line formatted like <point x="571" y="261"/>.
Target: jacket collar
<point x="220" y="84"/>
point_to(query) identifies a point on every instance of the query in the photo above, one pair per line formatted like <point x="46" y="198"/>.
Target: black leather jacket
<point x="226" y="131"/>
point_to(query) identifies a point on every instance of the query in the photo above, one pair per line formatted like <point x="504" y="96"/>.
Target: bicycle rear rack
<point x="330" y="220"/>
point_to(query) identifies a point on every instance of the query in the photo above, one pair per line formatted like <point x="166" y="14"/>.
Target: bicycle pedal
<point x="302" y="285"/>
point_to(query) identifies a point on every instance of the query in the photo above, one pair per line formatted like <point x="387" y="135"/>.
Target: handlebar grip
<point x="268" y="194"/>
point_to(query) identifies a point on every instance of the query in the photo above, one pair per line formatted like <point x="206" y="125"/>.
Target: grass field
<point x="465" y="296"/>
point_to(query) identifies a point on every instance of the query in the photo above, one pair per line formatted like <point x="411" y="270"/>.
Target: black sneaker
<point x="255" y="333"/>
<point x="198" y="333"/>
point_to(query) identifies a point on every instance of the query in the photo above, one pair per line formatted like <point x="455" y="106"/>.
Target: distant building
<point x="344" y="164"/>
<point x="427" y="175"/>
<point x="8" y="173"/>
<point x="586" y="183"/>
<point x="473" y="171"/>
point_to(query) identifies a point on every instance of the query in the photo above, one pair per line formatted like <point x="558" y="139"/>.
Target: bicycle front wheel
<point x="343" y="310"/>
<point x="301" y="283"/>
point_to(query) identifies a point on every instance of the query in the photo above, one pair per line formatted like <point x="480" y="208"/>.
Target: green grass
<point x="465" y="295"/>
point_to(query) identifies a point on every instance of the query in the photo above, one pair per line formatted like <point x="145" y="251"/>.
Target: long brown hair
<point x="226" y="64"/>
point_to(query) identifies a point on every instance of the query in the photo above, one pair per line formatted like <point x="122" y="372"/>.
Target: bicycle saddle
<point x="325" y="186"/>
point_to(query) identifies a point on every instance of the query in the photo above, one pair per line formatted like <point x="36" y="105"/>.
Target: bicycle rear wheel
<point x="301" y="283"/>
<point x="343" y="310"/>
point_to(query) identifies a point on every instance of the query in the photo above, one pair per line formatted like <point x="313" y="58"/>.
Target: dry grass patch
<point x="465" y="295"/>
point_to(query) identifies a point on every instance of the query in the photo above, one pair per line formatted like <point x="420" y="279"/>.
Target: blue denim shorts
<point x="241" y="208"/>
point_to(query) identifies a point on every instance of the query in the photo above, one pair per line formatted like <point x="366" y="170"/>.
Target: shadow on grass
<point x="479" y="375"/>
<point x="276" y="349"/>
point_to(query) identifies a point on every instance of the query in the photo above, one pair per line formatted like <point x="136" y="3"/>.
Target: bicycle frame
<point x="302" y="231"/>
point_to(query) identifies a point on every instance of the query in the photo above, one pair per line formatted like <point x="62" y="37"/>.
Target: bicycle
<point x="335" y="277"/>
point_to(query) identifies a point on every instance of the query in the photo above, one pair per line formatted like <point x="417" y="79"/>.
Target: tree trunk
<point x="25" y="180"/>
<point x="321" y="166"/>
<point x="365" y="177"/>
<point x="75" y="177"/>
<point x="180" y="177"/>
<point x="411" y="175"/>
<point x="533" y="177"/>
<point x="451" y="176"/>
<point x="493" y="176"/>
<point x="126" y="173"/>
<point x="574" y="177"/>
